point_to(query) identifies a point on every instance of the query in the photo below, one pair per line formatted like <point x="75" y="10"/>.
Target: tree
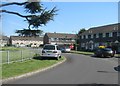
<point x="27" y="32"/>
<point x="81" y="31"/>
<point x="38" y="16"/>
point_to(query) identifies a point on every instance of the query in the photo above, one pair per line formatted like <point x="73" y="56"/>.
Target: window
<point x="82" y="37"/>
<point x="83" y="45"/>
<point x="118" y="33"/>
<point x="58" y="48"/>
<point x="100" y="35"/>
<point x="110" y="34"/>
<point x="52" y="39"/>
<point x="86" y="36"/>
<point x="114" y="34"/>
<point x="49" y="47"/>
<point x="94" y="35"/>
<point x="97" y="35"/>
<point x="55" y="39"/>
<point x="107" y="35"/>
<point x="91" y="36"/>
<point x="104" y="35"/>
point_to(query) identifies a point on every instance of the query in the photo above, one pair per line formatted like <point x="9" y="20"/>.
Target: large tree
<point x="36" y="15"/>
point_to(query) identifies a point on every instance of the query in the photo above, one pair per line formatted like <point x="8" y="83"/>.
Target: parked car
<point x="65" y="49"/>
<point x="104" y="52"/>
<point x="50" y="50"/>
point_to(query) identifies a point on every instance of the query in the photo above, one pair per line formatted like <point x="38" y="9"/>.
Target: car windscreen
<point x="107" y="49"/>
<point x="49" y="47"/>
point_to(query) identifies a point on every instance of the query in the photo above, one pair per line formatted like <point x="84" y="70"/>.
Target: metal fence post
<point x="8" y="57"/>
<point x="21" y="55"/>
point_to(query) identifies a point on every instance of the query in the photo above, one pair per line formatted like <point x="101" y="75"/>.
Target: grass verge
<point x="19" y="68"/>
<point x="82" y="52"/>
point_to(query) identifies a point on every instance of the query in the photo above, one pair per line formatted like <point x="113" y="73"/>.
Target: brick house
<point x="21" y="41"/>
<point x="4" y="40"/>
<point x="108" y="35"/>
<point x="59" y="38"/>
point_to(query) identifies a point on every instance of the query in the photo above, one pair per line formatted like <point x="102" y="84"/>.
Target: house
<point x="108" y="35"/>
<point x="22" y="41"/>
<point x="4" y="40"/>
<point x="59" y="38"/>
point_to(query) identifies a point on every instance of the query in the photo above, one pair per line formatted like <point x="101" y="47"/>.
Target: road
<point x="78" y="69"/>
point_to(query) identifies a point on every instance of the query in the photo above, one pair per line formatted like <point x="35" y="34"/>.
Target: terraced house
<point x="59" y="38"/>
<point x="108" y="35"/>
<point x="4" y="40"/>
<point x="21" y="41"/>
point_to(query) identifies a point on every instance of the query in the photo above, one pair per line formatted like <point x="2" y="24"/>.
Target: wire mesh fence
<point x="19" y="55"/>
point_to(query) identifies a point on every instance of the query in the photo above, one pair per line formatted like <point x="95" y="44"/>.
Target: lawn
<point x="16" y="54"/>
<point x="18" y="68"/>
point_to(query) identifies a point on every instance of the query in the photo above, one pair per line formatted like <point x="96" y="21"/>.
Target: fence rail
<point x="19" y="55"/>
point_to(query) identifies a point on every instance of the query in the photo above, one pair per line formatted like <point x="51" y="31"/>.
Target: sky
<point x="72" y="16"/>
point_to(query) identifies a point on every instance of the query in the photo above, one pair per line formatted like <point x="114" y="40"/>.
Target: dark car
<point x="104" y="52"/>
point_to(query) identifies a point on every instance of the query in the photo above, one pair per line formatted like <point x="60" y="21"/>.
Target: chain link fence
<point x="19" y="55"/>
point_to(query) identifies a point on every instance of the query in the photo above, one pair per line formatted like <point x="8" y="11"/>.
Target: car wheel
<point x="57" y="58"/>
<point x="112" y="55"/>
<point x="102" y="55"/>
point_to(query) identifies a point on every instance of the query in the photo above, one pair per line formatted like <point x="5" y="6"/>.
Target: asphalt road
<point x="78" y="69"/>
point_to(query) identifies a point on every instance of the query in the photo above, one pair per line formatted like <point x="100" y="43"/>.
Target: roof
<point x="60" y="35"/>
<point x="102" y="29"/>
<point x="26" y="38"/>
<point x="4" y="37"/>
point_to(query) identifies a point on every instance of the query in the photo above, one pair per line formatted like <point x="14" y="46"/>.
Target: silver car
<point x="50" y="50"/>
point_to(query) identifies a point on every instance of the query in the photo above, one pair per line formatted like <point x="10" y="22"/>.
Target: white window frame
<point x="111" y="34"/>
<point x="86" y="36"/>
<point x="97" y="35"/>
<point x="104" y="34"/>
<point x="92" y="36"/>
<point x="82" y="36"/>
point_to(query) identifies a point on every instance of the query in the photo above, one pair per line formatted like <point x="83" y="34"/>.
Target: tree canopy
<point x="36" y="14"/>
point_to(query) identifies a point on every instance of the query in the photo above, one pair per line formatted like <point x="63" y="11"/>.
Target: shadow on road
<point x="98" y="56"/>
<point x="45" y="58"/>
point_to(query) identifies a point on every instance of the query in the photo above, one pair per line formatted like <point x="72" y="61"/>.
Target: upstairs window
<point x="89" y="36"/>
<point x="118" y="33"/>
<point x="97" y="35"/>
<point x="107" y="34"/>
<point x="86" y="36"/>
<point x="110" y="34"/>
<point x="94" y="35"/>
<point x="104" y="35"/>
<point x="100" y="35"/>
<point x="82" y="37"/>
